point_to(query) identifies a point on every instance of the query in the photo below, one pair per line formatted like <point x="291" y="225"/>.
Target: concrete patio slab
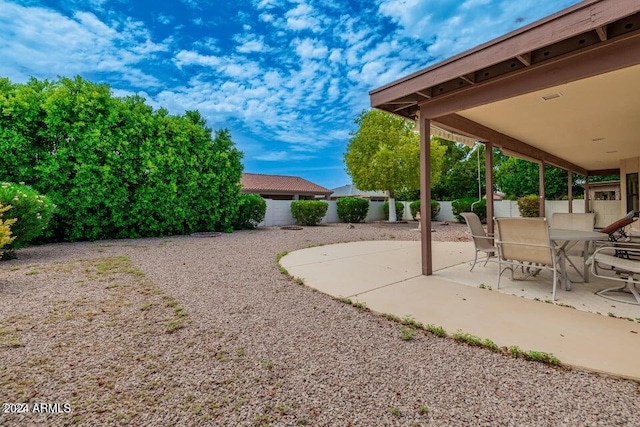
<point x="388" y="281"/>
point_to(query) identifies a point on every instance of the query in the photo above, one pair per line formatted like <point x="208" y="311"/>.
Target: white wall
<point x="607" y="211"/>
<point x="279" y="213"/>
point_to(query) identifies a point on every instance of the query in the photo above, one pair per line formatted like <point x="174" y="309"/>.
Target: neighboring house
<point x="281" y="187"/>
<point x="605" y="190"/>
<point x="352" y="191"/>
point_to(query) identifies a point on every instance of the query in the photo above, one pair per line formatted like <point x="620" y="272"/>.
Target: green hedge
<point x="251" y="211"/>
<point x="464" y="205"/>
<point x="309" y="212"/>
<point x="399" y="210"/>
<point x="114" y="167"/>
<point x="32" y="212"/>
<point x="529" y="206"/>
<point x="352" y="209"/>
<point x="414" y="207"/>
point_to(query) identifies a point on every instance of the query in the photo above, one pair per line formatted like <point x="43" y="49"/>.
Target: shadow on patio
<point x="386" y="275"/>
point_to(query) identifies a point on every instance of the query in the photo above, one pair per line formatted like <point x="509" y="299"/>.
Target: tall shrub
<point x="414" y="207"/>
<point x="352" y="209"/>
<point x="251" y="211"/>
<point x="309" y="212"/>
<point x="464" y="205"/>
<point x="115" y="167"/>
<point x="399" y="210"/>
<point x="529" y="206"/>
<point x="31" y="211"/>
<point x="5" y="227"/>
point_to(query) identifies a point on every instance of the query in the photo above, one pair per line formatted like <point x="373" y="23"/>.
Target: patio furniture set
<point x="535" y="244"/>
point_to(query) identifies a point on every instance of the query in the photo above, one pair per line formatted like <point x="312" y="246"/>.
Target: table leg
<point x="585" y="256"/>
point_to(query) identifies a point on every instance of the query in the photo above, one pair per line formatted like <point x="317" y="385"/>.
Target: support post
<point x="541" y="187"/>
<point x="488" y="168"/>
<point x="425" y="195"/>
<point x="570" y="190"/>
<point x="586" y="193"/>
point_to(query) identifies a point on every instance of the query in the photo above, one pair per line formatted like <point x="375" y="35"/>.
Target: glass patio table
<point x="565" y="240"/>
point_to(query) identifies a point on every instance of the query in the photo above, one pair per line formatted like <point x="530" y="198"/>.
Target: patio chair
<point x="626" y="270"/>
<point x="525" y="243"/>
<point x="482" y="241"/>
<point x="573" y="221"/>
<point x="617" y="233"/>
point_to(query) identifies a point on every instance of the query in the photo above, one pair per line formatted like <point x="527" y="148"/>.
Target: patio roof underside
<point x="564" y="90"/>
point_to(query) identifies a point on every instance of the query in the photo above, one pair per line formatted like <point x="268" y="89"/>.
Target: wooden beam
<point x="525" y="58"/>
<point x="464" y="126"/>
<point x="598" y="59"/>
<point x="427" y="93"/>
<point x="602" y="32"/>
<point x="405" y="105"/>
<point x="604" y="172"/>
<point x="425" y="196"/>
<point x="469" y="78"/>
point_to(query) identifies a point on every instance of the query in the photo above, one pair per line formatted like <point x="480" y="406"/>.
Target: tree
<point x="384" y="154"/>
<point x="518" y="178"/>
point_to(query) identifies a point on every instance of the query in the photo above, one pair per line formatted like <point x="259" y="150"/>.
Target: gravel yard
<point x="207" y="331"/>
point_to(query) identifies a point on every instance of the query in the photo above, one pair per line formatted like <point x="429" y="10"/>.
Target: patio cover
<point x="561" y="91"/>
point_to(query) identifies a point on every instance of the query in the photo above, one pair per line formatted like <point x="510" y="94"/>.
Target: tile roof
<point x="352" y="190"/>
<point x="260" y="183"/>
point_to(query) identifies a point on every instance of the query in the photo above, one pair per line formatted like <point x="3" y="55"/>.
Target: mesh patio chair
<point x="573" y="221"/>
<point x="525" y="243"/>
<point x="482" y="241"/>
<point x="626" y="270"/>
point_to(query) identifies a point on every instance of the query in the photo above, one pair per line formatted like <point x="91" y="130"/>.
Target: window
<point x="632" y="193"/>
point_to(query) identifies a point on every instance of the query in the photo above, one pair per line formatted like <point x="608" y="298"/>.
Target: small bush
<point x="352" y="209"/>
<point x="464" y="205"/>
<point x="251" y="211"/>
<point x="529" y="206"/>
<point x="31" y="210"/>
<point x="309" y="212"/>
<point x="414" y="207"/>
<point x="5" y="230"/>
<point x="399" y="210"/>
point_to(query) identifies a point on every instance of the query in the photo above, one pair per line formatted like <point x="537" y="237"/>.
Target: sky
<point x="286" y="77"/>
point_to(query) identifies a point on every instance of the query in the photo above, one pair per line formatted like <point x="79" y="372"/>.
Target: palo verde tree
<point x="384" y="155"/>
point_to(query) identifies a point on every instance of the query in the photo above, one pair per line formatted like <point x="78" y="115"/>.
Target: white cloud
<point x="165" y="19"/>
<point x="310" y="49"/>
<point x="249" y="43"/>
<point x="282" y="156"/>
<point x="302" y="17"/>
<point x="45" y="43"/>
<point x="189" y="57"/>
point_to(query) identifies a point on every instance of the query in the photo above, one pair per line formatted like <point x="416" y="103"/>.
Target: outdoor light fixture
<point x="551" y="96"/>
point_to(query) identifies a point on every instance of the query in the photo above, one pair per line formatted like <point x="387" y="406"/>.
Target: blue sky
<point x="286" y="77"/>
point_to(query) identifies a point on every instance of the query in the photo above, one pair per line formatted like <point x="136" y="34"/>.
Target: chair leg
<point x="475" y="260"/>
<point x="629" y="286"/>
